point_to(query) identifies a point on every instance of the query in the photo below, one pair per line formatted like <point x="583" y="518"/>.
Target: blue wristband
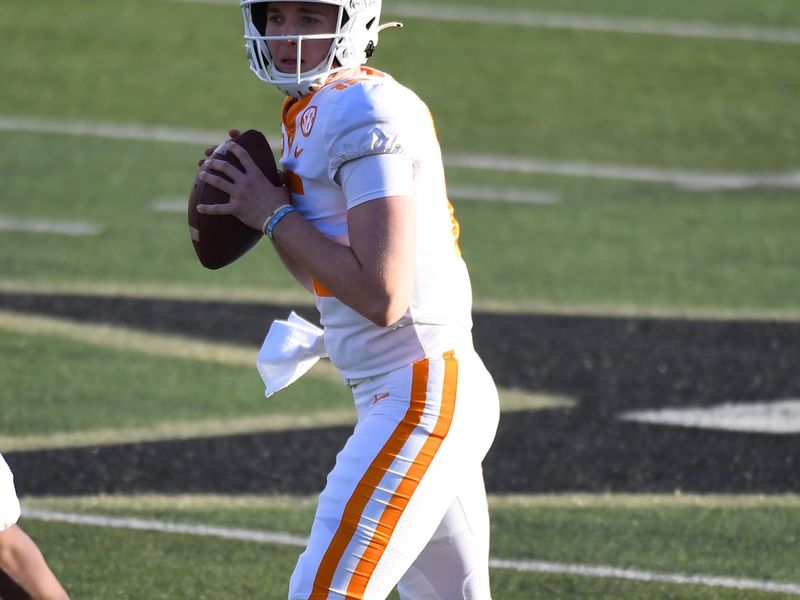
<point x="276" y="216"/>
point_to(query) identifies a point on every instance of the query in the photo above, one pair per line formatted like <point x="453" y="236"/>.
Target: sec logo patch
<point x="307" y="120"/>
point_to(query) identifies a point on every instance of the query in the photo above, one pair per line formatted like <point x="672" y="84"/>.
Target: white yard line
<point x="698" y="180"/>
<point x="650" y="577"/>
<point x="772" y="417"/>
<point x="534" y="566"/>
<point x="584" y="22"/>
<point x="454" y="192"/>
<point x="695" y="180"/>
<point x="117" y="131"/>
<point x="501" y="194"/>
<point x="72" y="228"/>
<point x="169" y="205"/>
<point x="263" y="537"/>
<point x="580" y="22"/>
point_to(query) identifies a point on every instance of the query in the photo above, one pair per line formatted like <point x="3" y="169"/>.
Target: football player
<point x="20" y="557"/>
<point x="364" y="223"/>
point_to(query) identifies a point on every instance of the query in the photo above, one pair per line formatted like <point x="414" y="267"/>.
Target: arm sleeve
<point x="376" y="176"/>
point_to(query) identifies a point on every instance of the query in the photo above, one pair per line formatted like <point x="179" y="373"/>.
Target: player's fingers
<point x="243" y="156"/>
<point x="233" y="132"/>
<point x="221" y="166"/>
<point x="218" y="182"/>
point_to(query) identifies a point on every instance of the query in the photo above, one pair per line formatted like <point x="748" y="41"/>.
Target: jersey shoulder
<point x="371" y="97"/>
<point x="372" y="114"/>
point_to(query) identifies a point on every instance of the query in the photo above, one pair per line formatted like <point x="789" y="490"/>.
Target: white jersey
<point x="348" y="119"/>
<point x="9" y="503"/>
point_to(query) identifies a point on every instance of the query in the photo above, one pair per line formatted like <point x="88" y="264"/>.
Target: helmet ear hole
<point x="258" y="11"/>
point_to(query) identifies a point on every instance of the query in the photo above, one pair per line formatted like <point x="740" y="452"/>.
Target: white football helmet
<point x="352" y="43"/>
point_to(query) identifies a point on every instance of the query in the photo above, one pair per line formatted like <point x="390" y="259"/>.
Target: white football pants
<point x="405" y="504"/>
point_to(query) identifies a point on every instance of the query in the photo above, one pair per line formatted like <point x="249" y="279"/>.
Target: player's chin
<point x="288" y="67"/>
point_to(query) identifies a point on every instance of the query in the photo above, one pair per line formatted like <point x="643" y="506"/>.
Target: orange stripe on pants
<point x="405" y="490"/>
<point x="371" y="479"/>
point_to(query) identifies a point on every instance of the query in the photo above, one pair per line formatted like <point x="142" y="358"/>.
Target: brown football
<point x="221" y="239"/>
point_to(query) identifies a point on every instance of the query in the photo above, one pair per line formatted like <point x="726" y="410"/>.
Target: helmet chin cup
<point x="352" y="43"/>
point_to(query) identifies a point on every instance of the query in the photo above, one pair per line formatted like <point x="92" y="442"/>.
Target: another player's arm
<point x="22" y="560"/>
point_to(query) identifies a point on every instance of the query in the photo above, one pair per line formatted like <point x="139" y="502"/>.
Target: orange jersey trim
<point x="291" y="108"/>
<point x="456" y="228"/>
<point x="320" y="290"/>
<point x="295" y="183"/>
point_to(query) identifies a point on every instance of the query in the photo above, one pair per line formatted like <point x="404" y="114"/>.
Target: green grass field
<point x="600" y="98"/>
<point x="710" y="537"/>
<point x="520" y="94"/>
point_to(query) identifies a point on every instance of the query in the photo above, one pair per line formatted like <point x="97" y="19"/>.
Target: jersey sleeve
<point x="372" y="118"/>
<point x="376" y="176"/>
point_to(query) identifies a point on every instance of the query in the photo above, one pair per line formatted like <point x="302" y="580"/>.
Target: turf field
<point x="627" y="178"/>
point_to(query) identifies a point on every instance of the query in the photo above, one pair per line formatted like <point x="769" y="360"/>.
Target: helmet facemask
<point x="352" y="42"/>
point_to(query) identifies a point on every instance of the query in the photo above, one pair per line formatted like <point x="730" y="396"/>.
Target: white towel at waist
<point x="290" y="349"/>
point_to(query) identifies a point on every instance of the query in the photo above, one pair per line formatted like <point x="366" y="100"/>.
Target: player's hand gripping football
<point x="253" y="198"/>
